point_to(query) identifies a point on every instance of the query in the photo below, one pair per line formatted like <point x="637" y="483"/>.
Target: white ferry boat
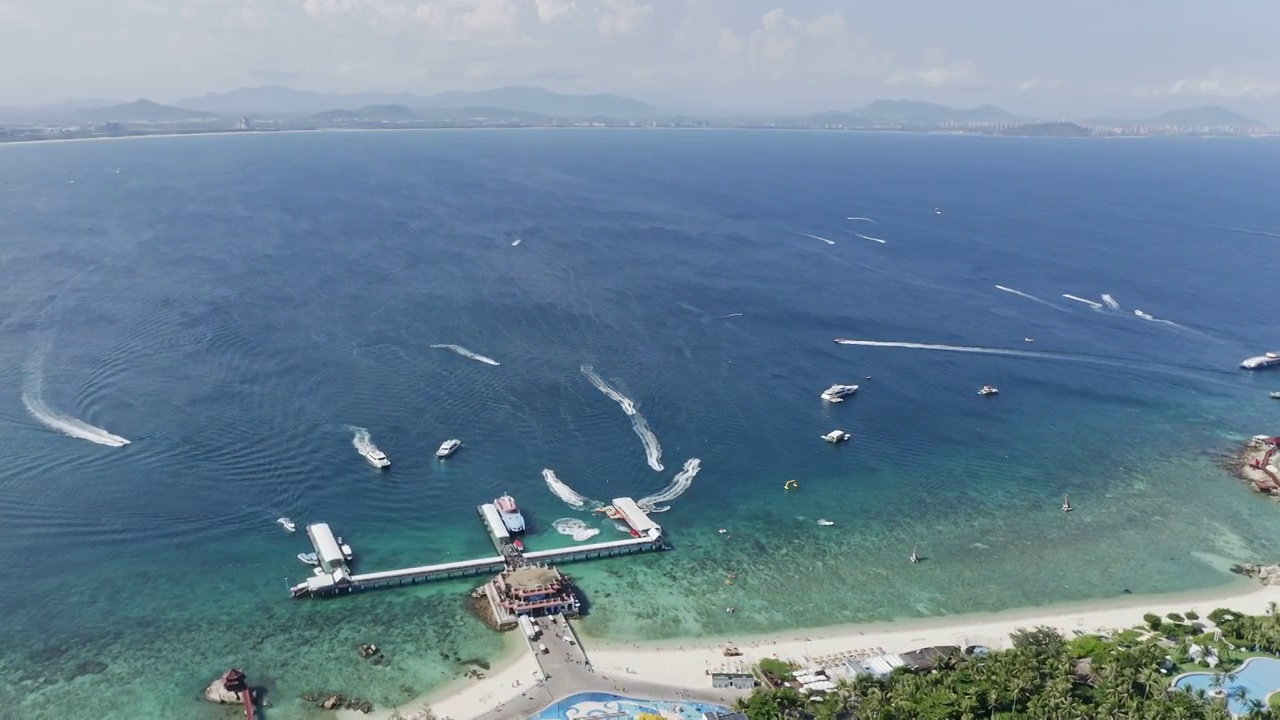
<point x="1271" y="359"/>
<point x="448" y="447"/>
<point x="287" y="524"/>
<point x="837" y="393"/>
<point x="510" y="514"/>
<point x="376" y="458"/>
<point x="836" y="436"/>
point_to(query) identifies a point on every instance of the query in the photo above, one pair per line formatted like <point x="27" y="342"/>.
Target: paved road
<point x="567" y="672"/>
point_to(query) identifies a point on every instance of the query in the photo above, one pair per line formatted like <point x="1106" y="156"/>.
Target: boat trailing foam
<point x="1028" y="296"/>
<point x="682" y="481"/>
<point x="33" y="399"/>
<point x="361" y="440"/>
<point x="467" y="353"/>
<point x="652" y="450"/>
<point x="819" y="237"/>
<point x="566" y="493"/>
<point x="575" y="528"/>
<point x="863" y="219"/>
<point x="872" y="239"/>
<point x="1090" y="303"/>
<point x="628" y="407"/>
<point x="1110" y="302"/>
<point x="1148" y="317"/>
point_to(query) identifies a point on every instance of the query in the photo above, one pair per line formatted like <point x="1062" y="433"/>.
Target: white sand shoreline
<point x="683" y="663"/>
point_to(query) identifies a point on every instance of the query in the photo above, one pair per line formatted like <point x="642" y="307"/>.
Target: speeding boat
<point x="1274" y="395"/>
<point x="287" y="524"/>
<point x="826" y="523"/>
<point x="309" y="558"/>
<point x="836" y="436"/>
<point x="510" y="514"/>
<point x="376" y="458"/>
<point x="448" y="447"/>
<point x="1028" y="339"/>
<point x="988" y="390"/>
<point x="837" y="393"/>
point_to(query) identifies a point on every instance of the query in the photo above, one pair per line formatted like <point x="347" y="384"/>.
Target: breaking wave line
<point x="819" y="237"/>
<point x="1110" y="301"/>
<point x="1090" y="303"/>
<point x="872" y="239"/>
<point x="33" y="398"/>
<point x="570" y="496"/>
<point x="863" y="219"/>
<point x="575" y="528"/>
<point x="679" y="484"/>
<point x="1028" y="296"/>
<point x="467" y="354"/>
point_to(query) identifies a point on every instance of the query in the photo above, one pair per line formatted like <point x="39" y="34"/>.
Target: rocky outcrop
<point x="217" y="692"/>
<point x="1265" y="574"/>
<point x="338" y="701"/>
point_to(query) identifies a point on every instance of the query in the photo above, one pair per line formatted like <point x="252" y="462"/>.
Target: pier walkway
<point x="647" y="536"/>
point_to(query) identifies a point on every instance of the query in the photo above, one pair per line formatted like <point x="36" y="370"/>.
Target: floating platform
<point x="646" y="537"/>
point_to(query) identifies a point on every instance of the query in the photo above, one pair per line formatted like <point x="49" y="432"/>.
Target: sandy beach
<point x="685" y="663"/>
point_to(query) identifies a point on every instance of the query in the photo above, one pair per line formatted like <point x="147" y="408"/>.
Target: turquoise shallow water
<point x="232" y="304"/>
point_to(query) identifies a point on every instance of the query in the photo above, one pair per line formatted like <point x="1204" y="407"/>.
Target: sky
<point x="1047" y="58"/>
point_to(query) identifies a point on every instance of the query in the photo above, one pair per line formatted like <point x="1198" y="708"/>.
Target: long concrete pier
<point x="647" y="537"/>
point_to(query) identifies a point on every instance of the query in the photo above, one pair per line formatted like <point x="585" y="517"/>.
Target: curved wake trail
<point x="33" y="399"/>
<point x="872" y="239"/>
<point x="1110" y="301"/>
<point x="467" y="354"/>
<point x="679" y="484"/>
<point x="1090" y="303"/>
<point x="566" y="493"/>
<point x="954" y="348"/>
<point x="863" y="219"/>
<point x="361" y="440"/>
<point x="819" y="237"/>
<point x="1028" y="296"/>
<point x="575" y="528"/>
<point x="652" y="450"/>
<point x="1147" y="316"/>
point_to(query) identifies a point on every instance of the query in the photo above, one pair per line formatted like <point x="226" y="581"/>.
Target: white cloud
<point x="1038" y="84"/>
<point x="465" y="19"/>
<point x="549" y="10"/>
<point x="935" y="72"/>
<point x="622" y="17"/>
<point x="1216" y="85"/>
<point x="821" y="48"/>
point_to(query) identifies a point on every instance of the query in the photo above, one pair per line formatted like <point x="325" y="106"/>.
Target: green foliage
<point x="1174" y="617"/>
<point x="777" y="667"/>
<point x="1217" y="617"/>
<point x="1191" y="615"/>
<point x="1152" y="620"/>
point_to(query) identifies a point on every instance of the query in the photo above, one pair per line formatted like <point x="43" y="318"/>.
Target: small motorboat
<point x="376" y="458"/>
<point x="346" y="549"/>
<point x="309" y="558"/>
<point x="1066" y="504"/>
<point x="287" y="524"/>
<point x="915" y="557"/>
<point x="836" y="436"/>
<point x="989" y="390"/>
<point x="826" y="523"/>
<point x="790" y="485"/>
<point x="1028" y="339"/>
<point x="1275" y="395"/>
<point x="448" y="447"/>
<point x="517" y="545"/>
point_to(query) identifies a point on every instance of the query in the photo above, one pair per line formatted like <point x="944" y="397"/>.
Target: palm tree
<point x="1257" y="710"/>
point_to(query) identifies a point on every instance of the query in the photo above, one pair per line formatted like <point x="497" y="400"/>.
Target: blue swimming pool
<point x="1258" y="676"/>
<point x="596" y="704"/>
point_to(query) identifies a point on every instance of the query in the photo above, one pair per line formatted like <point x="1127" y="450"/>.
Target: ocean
<point x="241" y="308"/>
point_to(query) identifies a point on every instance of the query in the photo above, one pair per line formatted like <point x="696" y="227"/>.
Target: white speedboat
<point x="448" y="447"/>
<point x="836" y="436"/>
<point x="287" y="524"/>
<point x="837" y="393"/>
<point x="309" y="558"/>
<point x="988" y="390"/>
<point x="1274" y="395"/>
<point x="376" y="458"/>
<point x="346" y="549"/>
<point x="826" y="523"/>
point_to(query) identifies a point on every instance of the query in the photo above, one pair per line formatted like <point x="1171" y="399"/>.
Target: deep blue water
<point x="232" y="304"/>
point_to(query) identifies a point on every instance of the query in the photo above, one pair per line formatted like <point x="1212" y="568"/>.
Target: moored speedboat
<point x="826" y="523"/>
<point x="837" y="393"/>
<point x="1274" y="395"/>
<point x="448" y="447"/>
<point x="376" y="458"/>
<point x="309" y="558"/>
<point x="287" y="524"/>
<point x="836" y="436"/>
<point x="988" y="390"/>
<point x="347" y="552"/>
<point x="510" y="514"/>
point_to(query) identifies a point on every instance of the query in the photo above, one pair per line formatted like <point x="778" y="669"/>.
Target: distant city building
<point x="244" y="123"/>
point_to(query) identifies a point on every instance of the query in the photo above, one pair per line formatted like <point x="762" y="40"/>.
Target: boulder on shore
<point x="218" y="693"/>
<point x="1266" y="574"/>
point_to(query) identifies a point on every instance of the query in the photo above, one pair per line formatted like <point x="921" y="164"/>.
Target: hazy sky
<point x="1048" y="57"/>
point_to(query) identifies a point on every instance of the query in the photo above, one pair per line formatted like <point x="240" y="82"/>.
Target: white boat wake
<point x="1028" y="296"/>
<point x="1148" y="317"/>
<point x="575" y="529"/>
<point x="872" y="239"/>
<point x="863" y="219"/>
<point x="361" y="440"/>
<point x="1090" y="303"/>
<point x="652" y="449"/>
<point x="515" y="242"/>
<point x="566" y="493"/>
<point x="33" y="398"/>
<point x="819" y="237"/>
<point x="951" y="348"/>
<point x="467" y="354"/>
<point x="730" y="315"/>
<point x="679" y="484"/>
<point x="1110" y="301"/>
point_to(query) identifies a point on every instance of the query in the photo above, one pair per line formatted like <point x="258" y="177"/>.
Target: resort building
<point x="530" y="590"/>
<point x="735" y="675"/>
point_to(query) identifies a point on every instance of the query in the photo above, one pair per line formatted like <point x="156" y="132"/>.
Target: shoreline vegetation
<point x="684" y="665"/>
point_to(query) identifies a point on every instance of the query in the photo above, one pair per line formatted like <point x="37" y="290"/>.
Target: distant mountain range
<point x="139" y="111"/>
<point x="284" y="101"/>
<point x="914" y="113"/>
